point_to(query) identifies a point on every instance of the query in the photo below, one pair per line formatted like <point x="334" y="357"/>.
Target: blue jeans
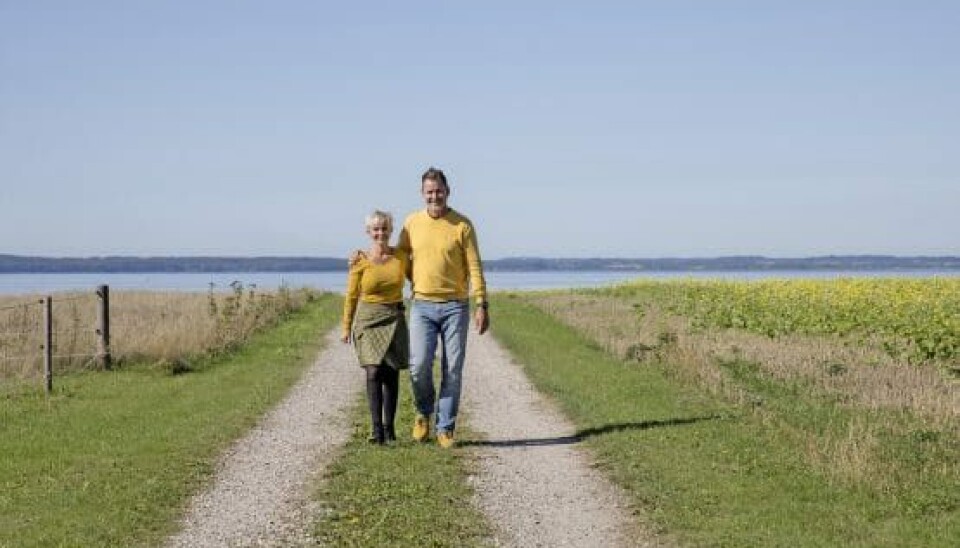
<point x="448" y="321"/>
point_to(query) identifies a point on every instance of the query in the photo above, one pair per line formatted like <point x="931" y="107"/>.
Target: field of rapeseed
<point x="916" y="320"/>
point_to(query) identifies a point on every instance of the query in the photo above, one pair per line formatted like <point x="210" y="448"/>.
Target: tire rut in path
<point x="534" y="485"/>
<point x="259" y="496"/>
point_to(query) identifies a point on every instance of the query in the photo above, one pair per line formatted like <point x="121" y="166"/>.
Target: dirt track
<point x="536" y="487"/>
<point x="534" y="484"/>
<point x="259" y="496"/>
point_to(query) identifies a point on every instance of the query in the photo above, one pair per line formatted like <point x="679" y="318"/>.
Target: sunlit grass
<point x="112" y="457"/>
<point x="404" y="494"/>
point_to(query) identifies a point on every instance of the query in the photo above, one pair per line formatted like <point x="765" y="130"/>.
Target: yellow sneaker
<point x="445" y="439"/>
<point x="421" y="428"/>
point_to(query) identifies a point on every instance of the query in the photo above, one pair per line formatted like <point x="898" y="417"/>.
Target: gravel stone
<point x="533" y="483"/>
<point x="260" y="493"/>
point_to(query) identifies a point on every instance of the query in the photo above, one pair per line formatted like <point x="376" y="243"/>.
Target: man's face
<point x="435" y="196"/>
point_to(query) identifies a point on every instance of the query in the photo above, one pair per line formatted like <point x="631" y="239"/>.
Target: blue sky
<point x="573" y="129"/>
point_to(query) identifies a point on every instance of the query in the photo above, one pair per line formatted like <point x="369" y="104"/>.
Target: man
<point x="446" y="271"/>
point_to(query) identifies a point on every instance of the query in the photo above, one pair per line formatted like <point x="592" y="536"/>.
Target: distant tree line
<point x="24" y="264"/>
<point x="739" y="263"/>
<point x="14" y="263"/>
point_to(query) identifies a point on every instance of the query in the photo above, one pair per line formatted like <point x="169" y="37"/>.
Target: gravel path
<point x="536" y="487"/>
<point x="259" y="497"/>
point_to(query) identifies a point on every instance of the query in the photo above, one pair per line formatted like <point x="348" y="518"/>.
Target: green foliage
<point x="917" y="320"/>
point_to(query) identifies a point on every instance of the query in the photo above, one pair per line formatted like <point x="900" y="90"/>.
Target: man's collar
<point x="442" y="215"/>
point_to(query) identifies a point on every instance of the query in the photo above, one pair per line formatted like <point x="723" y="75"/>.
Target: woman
<point x="374" y="309"/>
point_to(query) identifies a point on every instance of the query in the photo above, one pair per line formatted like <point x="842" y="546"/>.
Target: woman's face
<point x="379" y="232"/>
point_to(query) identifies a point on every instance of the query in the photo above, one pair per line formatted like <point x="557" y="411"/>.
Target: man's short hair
<point x="434" y="174"/>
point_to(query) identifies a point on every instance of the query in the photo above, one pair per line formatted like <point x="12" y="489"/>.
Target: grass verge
<point x="404" y="494"/>
<point x="111" y="458"/>
<point x="711" y="472"/>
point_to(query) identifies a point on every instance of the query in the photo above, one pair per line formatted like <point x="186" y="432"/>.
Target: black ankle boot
<point x="389" y="434"/>
<point x="377" y="435"/>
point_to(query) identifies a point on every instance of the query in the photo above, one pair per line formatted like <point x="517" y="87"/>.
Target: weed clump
<point x="243" y="311"/>
<point x="174" y="367"/>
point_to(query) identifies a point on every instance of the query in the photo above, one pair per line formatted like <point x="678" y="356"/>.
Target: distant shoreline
<point x="19" y="264"/>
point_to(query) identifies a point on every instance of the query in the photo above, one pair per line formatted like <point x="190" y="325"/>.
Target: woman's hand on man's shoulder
<point x="355" y="257"/>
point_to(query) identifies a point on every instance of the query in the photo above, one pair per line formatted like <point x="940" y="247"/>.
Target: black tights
<point x="382" y="384"/>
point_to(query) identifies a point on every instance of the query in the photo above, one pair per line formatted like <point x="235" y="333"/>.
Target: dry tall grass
<point x="153" y="326"/>
<point x="855" y="375"/>
<point x="632" y="328"/>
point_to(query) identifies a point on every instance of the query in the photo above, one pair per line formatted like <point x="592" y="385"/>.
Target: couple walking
<point x="437" y="250"/>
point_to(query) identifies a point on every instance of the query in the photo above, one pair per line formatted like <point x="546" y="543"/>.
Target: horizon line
<point x="510" y="257"/>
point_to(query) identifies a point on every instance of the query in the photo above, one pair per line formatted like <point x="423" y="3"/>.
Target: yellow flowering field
<point x="915" y="319"/>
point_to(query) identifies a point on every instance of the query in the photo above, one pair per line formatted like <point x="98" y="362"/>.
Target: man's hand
<point x="481" y="319"/>
<point x="345" y="339"/>
<point x="355" y="257"/>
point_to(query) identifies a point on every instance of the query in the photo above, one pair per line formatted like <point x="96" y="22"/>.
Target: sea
<point x="43" y="284"/>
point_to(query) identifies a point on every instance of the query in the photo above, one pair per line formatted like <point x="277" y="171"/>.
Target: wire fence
<point x="56" y="333"/>
<point x="20" y="306"/>
<point x="96" y="329"/>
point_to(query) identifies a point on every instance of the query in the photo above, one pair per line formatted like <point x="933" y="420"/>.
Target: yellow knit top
<point x="378" y="283"/>
<point x="445" y="256"/>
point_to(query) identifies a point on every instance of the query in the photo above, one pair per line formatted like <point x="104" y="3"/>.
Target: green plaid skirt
<point x="380" y="335"/>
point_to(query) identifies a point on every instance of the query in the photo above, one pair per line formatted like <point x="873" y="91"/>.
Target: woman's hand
<point x="345" y="339"/>
<point x="355" y="257"/>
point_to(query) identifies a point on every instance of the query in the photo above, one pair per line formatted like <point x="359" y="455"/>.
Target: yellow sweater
<point x="374" y="283"/>
<point x="445" y="256"/>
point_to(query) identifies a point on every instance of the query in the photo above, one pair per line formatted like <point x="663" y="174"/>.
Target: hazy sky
<point x="575" y="129"/>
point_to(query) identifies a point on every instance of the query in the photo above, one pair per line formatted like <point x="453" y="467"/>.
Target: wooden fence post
<point x="103" y="321"/>
<point x="48" y="344"/>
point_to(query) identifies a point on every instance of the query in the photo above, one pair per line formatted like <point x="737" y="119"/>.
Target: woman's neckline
<point x="383" y="258"/>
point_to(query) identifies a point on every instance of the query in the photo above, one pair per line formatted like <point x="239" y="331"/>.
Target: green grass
<point x="404" y="494"/>
<point x="112" y="457"/>
<point x="710" y="473"/>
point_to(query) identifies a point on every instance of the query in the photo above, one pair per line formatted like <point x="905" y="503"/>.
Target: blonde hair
<point x="378" y="216"/>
